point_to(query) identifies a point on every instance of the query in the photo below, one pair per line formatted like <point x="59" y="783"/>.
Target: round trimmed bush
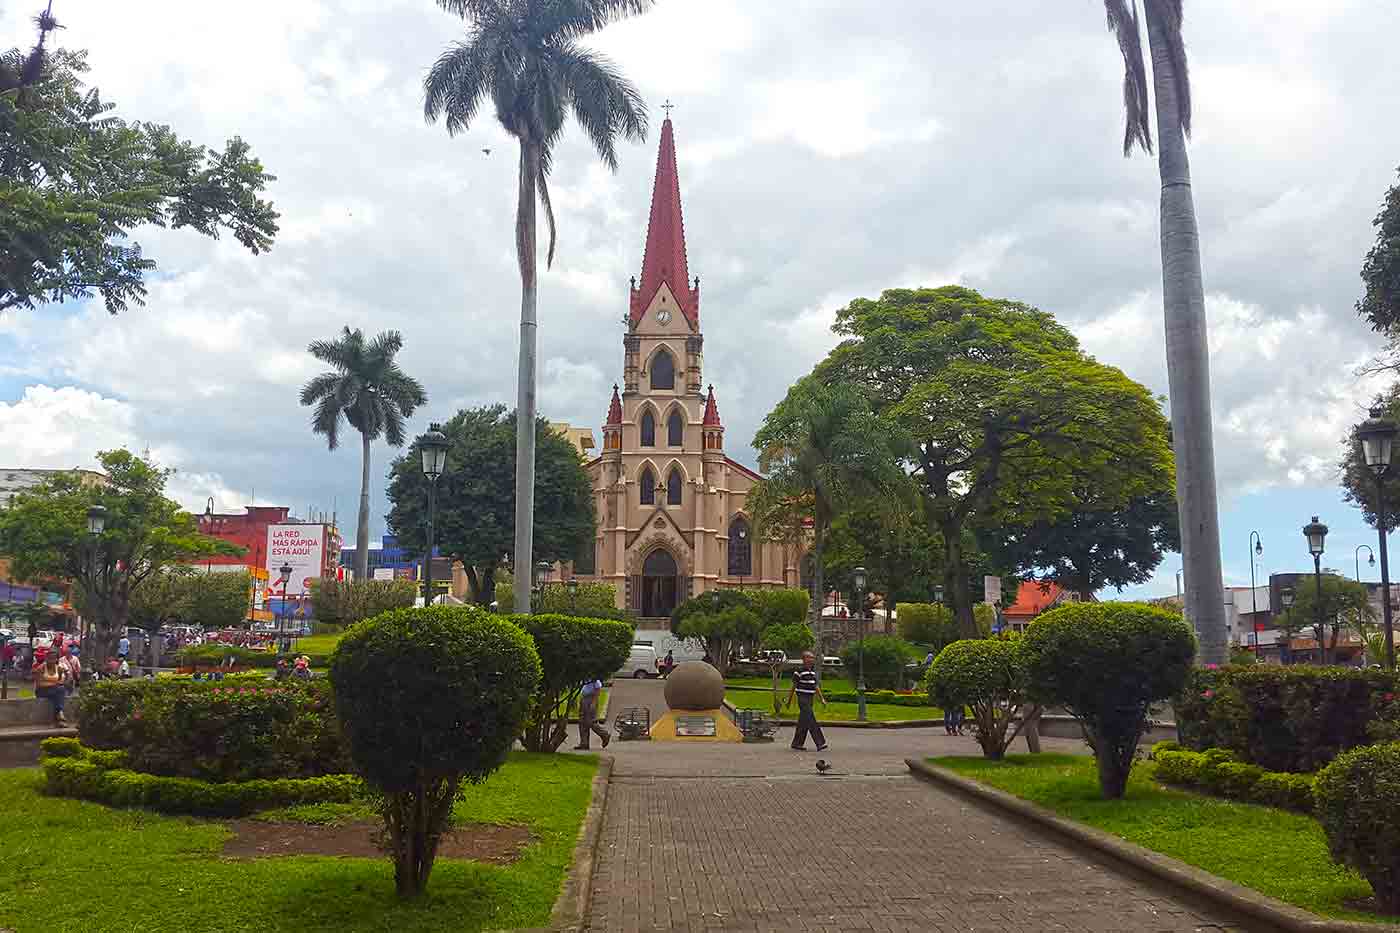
<point x="1107" y="663"/>
<point x="986" y="675"/>
<point x="1357" y="800"/>
<point x="572" y="650"/>
<point x="885" y="657"/>
<point x="429" y="698"/>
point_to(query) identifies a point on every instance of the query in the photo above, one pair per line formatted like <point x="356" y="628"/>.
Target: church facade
<point x="670" y="503"/>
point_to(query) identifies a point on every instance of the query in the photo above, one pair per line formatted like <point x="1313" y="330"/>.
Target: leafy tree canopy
<point x="1358" y="481"/>
<point x="476" y="496"/>
<point x="75" y="181"/>
<point x="184" y="594"/>
<point x="1344" y="604"/>
<point x="44" y="532"/>
<point x="1379" y="304"/>
<point x="999" y="414"/>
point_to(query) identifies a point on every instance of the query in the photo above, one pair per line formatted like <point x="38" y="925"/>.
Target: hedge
<point x="86" y="774"/>
<point x="213" y="654"/>
<point x="1296" y="718"/>
<point x="1218" y="772"/>
<point x="215" y="730"/>
<point x="593" y="600"/>
<point x="885" y="660"/>
<point x="788" y="606"/>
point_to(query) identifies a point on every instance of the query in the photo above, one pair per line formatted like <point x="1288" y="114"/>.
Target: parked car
<point x="641" y="662"/>
<point x="831" y="660"/>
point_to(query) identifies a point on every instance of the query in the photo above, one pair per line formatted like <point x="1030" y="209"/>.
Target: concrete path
<point x="750" y="837"/>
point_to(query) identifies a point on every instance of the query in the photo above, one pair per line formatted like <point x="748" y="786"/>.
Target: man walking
<point x="588" y="716"/>
<point x="123" y="647"/>
<point x="805" y="687"/>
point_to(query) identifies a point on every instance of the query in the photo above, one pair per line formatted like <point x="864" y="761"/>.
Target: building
<point x="17" y="480"/>
<point x="270" y="536"/>
<point x="581" y="438"/>
<point x="386" y="562"/>
<point x="1032" y="598"/>
<point x="670" y="502"/>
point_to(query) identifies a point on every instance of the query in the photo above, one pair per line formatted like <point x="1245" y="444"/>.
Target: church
<point x="670" y="502"/>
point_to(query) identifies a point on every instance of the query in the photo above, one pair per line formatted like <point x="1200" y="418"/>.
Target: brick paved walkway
<point x="686" y="847"/>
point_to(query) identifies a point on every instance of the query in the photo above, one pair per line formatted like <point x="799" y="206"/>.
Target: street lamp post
<point x="1377" y="435"/>
<point x="284" y="573"/>
<point x="1316" y="533"/>
<point x="433" y="449"/>
<point x="96" y="522"/>
<point x="541" y="571"/>
<point x="859" y="574"/>
<point x="1370" y="560"/>
<point x="573" y="595"/>
<point x="1254" y="551"/>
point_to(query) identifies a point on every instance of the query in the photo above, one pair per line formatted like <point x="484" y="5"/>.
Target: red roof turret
<point x="615" y="409"/>
<point x="711" y="411"/>
<point x="664" y="260"/>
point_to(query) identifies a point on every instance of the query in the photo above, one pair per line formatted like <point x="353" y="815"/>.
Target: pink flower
<point x="1211" y="667"/>
<point x="1388" y="697"/>
<point x="136" y="715"/>
<point x="1208" y="694"/>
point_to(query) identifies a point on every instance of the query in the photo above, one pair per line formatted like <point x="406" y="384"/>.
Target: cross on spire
<point x="667" y="107"/>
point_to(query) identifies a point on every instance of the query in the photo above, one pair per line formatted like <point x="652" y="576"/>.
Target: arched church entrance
<point x="660" y="583"/>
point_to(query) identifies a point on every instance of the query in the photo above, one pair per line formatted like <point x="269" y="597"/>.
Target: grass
<point x="72" y="866"/>
<point x="1275" y="852"/>
<point x="843" y="712"/>
<point x="317" y="644"/>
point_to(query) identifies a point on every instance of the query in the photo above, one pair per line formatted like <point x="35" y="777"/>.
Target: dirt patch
<point x="479" y="842"/>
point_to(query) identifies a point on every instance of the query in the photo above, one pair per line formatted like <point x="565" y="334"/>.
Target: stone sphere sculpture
<point x="694" y="685"/>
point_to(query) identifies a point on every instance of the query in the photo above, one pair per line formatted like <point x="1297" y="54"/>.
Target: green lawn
<point x="874" y="712"/>
<point x="74" y="866"/>
<point x="317" y="644"/>
<point x="1275" y="852"/>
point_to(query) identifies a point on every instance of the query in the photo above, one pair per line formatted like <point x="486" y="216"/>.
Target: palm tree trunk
<point x="525" y="403"/>
<point x="362" y="525"/>
<point x="1188" y="356"/>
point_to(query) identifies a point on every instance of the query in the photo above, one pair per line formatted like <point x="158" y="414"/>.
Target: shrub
<point x="882" y="697"/>
<point x="214" y="654"/>
<point x="986" y="675"/>
<point x="708" y="604"/>
<point x="1217" y="771"/>
<point x="1358" y="804"/>
<point x="780" y="607"/>
<point x="429" y="698"/>
<point x="571" y="651"/>
<point x="215" y="731"/>
<point x="928" y="624"/>
<point x="88" y="774"/>
<point x="1107" y="663"/>
<point x="721" y="632"/>
<point x="1295" y="718"/>
<point x="885" y="658"/>
<point x="791" y="638"/>
<point x="594" y="600"/>
<point x="345" y="602"/>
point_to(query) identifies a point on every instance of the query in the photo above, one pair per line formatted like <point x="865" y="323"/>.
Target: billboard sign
<point x="302" y="547"/>
<point x="992" y="588"/>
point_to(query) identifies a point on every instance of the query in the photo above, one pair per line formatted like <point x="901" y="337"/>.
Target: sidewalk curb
<point x="570" y="911"/>
<point x="1165" y="869"/>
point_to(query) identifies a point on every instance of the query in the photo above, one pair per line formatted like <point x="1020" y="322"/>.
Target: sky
<point x="825" y="154"/>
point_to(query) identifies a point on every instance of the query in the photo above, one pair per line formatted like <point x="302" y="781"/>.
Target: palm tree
<point x="524" y="56"/>
<point x="373" y="394"/>
<point x="1183" y="296"/>
<point x="821" y="448"/>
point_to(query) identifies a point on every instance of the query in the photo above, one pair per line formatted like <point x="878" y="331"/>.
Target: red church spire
<point x="615" y="409"/>
<point x="664" y="260"/>
<point x="711" y="411"/>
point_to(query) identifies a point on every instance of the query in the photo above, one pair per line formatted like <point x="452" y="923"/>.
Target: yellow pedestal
<point x="725" y="731"/>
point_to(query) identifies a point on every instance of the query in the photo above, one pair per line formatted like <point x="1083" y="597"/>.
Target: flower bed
<point x="217" y="731"/>
<point x="71" y="770"/>
<point x="1217" y="771"/>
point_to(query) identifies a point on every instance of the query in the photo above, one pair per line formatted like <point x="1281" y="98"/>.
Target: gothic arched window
<point x="663" y="371"/>
<point x="673" y="487"/>
<point x="675" y="429"/>
<point x="647" y="482"/>
<point x="740" y="549"/>
<point x="648" y="430"/>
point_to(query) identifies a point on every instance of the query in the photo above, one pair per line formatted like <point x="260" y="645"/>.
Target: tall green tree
<point x="1091" y="547"/>
<point x="1358" y="480"/>
<point x="1183" y="296"/>
<point x="76" y="182"/>
<point x="1344" y="604"/>
<point x="997" y="413"/>
<point x="368" y="389"/>
<point x="44" y="532"/>
<point x="528" y="59"/>
<point x="1379" y="304"/>
<point x="476" y="497"/>
<point x="821" y="449"/>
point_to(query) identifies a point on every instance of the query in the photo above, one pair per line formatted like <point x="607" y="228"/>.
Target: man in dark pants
<point x="806" y="686"/>
<point x="588" y="716"/>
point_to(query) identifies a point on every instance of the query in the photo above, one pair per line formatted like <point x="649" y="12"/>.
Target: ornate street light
<point x="1370" y="558"/>
<point x="1254" y="552"/>
<point x="1377" y="436"/>
<point x="284" y="573"/>
<point x="541" y="572"/>
<point x="859" y="576"/>
<point x="432" y="447"/>
<point x="573" y="595"/>
<point x="1316" y="533"/>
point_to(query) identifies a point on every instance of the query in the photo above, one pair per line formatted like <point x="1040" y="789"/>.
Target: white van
<point x="641" y="662"/>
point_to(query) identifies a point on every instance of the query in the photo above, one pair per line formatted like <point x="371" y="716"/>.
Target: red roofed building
<point x="1032" y="598"/>
<point x="670" y="502"/>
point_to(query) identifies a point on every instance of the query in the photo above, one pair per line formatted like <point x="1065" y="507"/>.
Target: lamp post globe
<point x="573" y="594"/>
<point x="284" y="574"/>
<point x="1316" y="533"/>
<point x="541" y="572"/>
<point x="1377" y="437"/>
<point x="96" y="519"/>
<point x="432" y="449"/>
<point x="858" y="576"/>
